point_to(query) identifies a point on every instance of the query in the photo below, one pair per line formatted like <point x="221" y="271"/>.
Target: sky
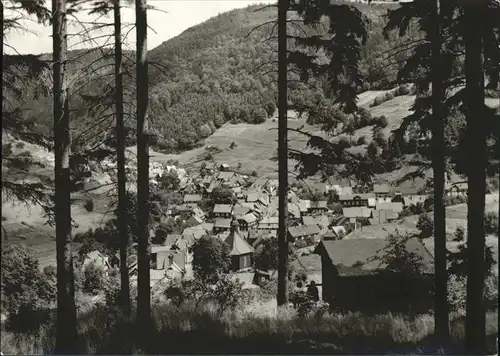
<point x="170" y="20"/>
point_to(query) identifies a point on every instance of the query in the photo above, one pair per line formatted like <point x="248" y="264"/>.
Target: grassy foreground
<point x="190" y="329"/>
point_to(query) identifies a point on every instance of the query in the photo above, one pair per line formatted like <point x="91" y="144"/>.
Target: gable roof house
<point x="198" y="212"/>
<point x="163" y="257"/>
<point x="207" y="180"/>
<point x="294" y="210"/>
<point x="318" y="206"/>
<point x="247" y="221"/>
<point x="213" y="185"/>
<point x="304" y="206"/>
<point x="355" y="276"/>
<point x="303" y="232"/>
<point x="381" y="190"/>
<point x="414" y="199"/>
<point x="222" y="211"/>
<point x="395" y="207"/>
<point x="239" y="210"/>
<point x="258" y="185"/>
<point x="268" y="223"/>
<point x="225" y="176"/>
<point x="97" y="259"/>
<point x="195" y="232"/>
<point x="356" y="213"/>
<point x="241" y="252"/>
<point x="222" y="225"/>
<point x="457" y="189"/>
<point x="356" y="200"/>
<point x="320" y="220"/>
<point x="252" y="197"/>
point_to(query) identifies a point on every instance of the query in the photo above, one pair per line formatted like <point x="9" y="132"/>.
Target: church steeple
<point x="235" y="226"/>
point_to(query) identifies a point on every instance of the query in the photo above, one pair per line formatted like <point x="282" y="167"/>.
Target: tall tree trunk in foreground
<point x="120" y="157"/>
<point x="441" y="321"/>
<point x="475" y="322"/>
<point x="144" y="291"/>
<point x="282" y="297"/>
<point x="66" y="336"/>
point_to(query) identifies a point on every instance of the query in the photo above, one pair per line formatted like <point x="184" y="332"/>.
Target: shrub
<point x="205" y="130"/>
<point x="491" y="223"/>
<point x="372" y="149"/>
<point x="233" y="145"/>
<point x="93" y="279"/>
<point x="379" y="137"/>
<point x="7" y="149"/>
<point x="270" y="108"/>
<point x="269" y="290"/>
<point x="259" y="116"/>
<point x="254" y="173"/>
<point x="26" y="154"/>
<point x="89" y="205"/>
<point x="389" y="96"/>
<point x="24" y="289"/>
<point x="210" y="259"/>
<point x="457" y="291"/>
<point x="20" y="144"/>
<point x="381" y="121"/>
<point x="404" y="89"/>
<point x="377" y="101"/>
<point x="459" y="234"/>
<point x="300" y="244"/>
<point x="361" y="141"/>
<point x="426" y="226"/>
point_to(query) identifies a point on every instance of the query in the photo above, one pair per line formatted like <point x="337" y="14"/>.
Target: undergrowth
<point x="191" y="329"/>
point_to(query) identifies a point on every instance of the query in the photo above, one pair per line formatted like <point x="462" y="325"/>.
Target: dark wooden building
<point x="241" y="251"/>
<point x="355" y="277"/>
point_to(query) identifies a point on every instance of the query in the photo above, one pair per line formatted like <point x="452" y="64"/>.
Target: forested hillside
<point x="215" y="72"/>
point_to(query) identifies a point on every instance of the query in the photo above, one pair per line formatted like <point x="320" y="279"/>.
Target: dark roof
<point x="355" y="256"/>
<point x="238" y="244"/>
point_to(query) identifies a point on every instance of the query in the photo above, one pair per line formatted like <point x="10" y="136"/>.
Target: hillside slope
<point x="200" y="79"/>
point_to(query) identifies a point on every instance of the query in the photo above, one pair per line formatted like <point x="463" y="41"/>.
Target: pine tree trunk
<point x="282" y="297"/>
<point x="441" y="317"/>
<point x="1" y="49"/>
<point x="144" y="291"/>
<point x="475" y="322"/>
<point x="120" y="157"/>
<point x="66" y="335"/>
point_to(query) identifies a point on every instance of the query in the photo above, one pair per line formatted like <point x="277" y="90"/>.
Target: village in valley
<point x="242" y="211"/>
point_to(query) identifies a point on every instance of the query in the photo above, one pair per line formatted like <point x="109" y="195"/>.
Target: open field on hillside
<point x="26" y="224"/>
<point x="256" y="146"/>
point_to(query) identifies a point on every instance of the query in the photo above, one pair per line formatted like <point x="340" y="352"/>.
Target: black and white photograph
<point x="245" y="177"/>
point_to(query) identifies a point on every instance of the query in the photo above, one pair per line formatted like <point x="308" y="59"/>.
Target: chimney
<point x="235" y="226"/>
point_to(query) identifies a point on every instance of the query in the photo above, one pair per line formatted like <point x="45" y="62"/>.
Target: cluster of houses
<point x="252" y="217"/>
